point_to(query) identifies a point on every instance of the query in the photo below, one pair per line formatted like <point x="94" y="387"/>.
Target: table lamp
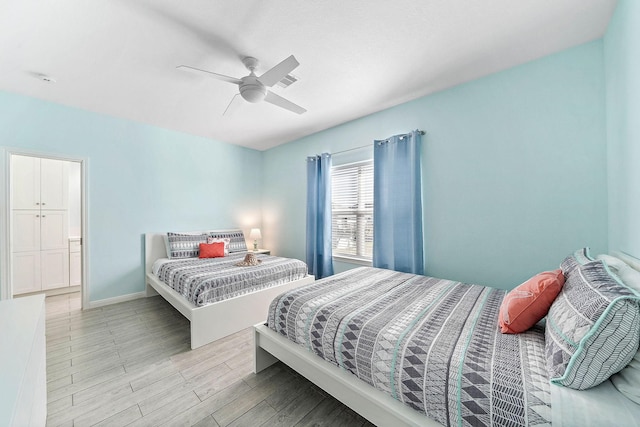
<point x="255" y="235"/>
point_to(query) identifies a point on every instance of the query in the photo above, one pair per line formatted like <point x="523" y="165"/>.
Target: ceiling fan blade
<point x="210" y="74"/>
<point x="278" y="72"/>
<point x="233" y="105"/>
<point x="284" y="103"/>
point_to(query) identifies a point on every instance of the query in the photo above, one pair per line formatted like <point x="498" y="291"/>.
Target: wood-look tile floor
<point x="130" y="364"/>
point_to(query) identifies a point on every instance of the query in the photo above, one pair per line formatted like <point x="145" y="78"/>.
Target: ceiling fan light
<point x="253" y="93"/>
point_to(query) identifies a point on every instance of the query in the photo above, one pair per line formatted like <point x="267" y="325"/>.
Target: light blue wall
<point x="514" y="170"/>
<point x="141" y="179"/>
<point x="622" y="69"/>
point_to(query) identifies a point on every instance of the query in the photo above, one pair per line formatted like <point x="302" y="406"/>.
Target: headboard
<point x="154" y="245"/>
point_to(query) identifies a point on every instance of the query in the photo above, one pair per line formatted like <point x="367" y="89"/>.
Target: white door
<point x="54" y="268"/>
<point x="25" y="179"/>
<point x="54" y="226"/>
<point x="25" y="226"/>
<point x="25" y="268"/>
<point x="54" y="184"/>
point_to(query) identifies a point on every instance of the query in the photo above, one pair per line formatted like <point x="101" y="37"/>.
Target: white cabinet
<point x="25" y="268"/>
<point x="54" y="230"/>
<point x="35" y="230"/>
<point x="39" y="183"/>
<point x="25" y="179"/>
<point x="54" y="184"/>
<point x="40" y="256"/>
<point x="39" y="224"/>
<point x="75" y="262"/>
<point x="26" y="230"/>
<point x="54" y="268"/>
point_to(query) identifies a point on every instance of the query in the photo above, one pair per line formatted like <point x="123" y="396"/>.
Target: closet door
<point x="54" y="226"/>
<point x="54" y="268"/>
<point x="54" y="184"/>
<point x="25" y="270"/>
<point x="25" y="226"/>
<point x="25" y="176"/>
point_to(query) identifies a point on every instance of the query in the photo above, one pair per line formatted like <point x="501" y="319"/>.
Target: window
<point x="352" y="210"/>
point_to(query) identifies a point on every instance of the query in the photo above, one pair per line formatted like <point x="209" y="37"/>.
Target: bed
<point x="218" y="316"/>
<point x="368" y="336"/>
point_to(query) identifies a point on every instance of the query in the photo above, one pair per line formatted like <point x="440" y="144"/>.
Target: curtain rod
<point x="421" y="132"/>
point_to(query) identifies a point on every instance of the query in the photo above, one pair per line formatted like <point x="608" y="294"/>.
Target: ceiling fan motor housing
<point x="252" y="90"/>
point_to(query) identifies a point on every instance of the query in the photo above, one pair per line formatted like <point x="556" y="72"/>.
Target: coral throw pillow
<point x="525" y="305"/>
<point x="211" y="250"/>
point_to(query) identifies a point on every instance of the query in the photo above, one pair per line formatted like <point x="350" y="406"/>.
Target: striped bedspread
<point x="432" y="344"/>
<point x="208" y="280"/>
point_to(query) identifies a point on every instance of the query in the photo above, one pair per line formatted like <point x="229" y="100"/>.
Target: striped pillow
<point x="184" y="245"/>
<point x="238" y="244"/>
<point x="593" y="326"/>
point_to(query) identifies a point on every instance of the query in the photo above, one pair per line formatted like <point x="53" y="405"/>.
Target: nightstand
<point x="261" y="251"/>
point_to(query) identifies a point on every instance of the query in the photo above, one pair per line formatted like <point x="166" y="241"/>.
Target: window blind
<point x="352" y="210"/>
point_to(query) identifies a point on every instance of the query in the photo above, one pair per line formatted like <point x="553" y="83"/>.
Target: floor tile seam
<point x="186" y="392"/>
<point x="241" y="415"/>
<point x="108" y="368"/>
<point x="136" y="396"/>
<point x="153" y="382"/>
<point x="83" y="368"/>
<point x="60" y="359"/>
<point x="88" y="386"/>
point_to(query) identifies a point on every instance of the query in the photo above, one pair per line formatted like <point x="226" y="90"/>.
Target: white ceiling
<point x="119" y="57"/>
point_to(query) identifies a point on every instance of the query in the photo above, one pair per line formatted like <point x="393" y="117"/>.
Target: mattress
<point x="430" y="343"/>
<point x="209" y="280"/>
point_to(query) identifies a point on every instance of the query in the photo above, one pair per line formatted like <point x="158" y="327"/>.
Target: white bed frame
<point x="217" y="320"/>
<point x="374" y="405"/>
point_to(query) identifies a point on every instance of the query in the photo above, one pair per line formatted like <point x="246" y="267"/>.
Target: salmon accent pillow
<point x="212" y="250"/>
<point x="527" y="304"/>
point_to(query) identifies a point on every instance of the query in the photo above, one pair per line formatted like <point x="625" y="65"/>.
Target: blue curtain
<point x="319" y="259"/>
<point x="397" y="209"/>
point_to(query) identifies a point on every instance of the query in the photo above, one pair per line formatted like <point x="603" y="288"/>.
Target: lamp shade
<point x="255" y="234"/>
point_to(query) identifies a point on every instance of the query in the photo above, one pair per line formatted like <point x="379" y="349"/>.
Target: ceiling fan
<point x="253" y="88"/>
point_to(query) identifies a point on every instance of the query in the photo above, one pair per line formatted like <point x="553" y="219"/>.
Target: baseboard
<point x="52" y="292"/>
<point x="61" y="291"/>
<point x="115" y="300"/>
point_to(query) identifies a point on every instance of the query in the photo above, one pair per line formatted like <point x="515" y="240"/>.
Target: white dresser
<point x="23" y="375"/>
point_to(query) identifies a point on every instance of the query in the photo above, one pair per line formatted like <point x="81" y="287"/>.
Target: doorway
<point x="46" y="225"/>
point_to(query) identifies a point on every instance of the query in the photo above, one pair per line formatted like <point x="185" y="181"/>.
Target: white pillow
<point x="630" y="277"/>
<point x="613" y="262"/>
<point x="225" y="240"/>
<point x="625" y="272"/>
